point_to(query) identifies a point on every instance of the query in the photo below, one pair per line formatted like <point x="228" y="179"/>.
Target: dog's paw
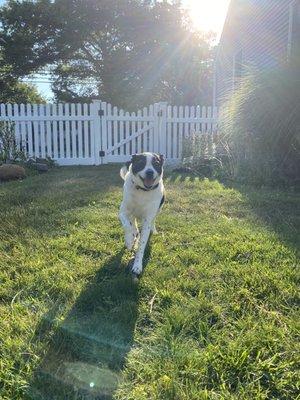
<point x="137" y="268"/>
<point x="135" y="278"/>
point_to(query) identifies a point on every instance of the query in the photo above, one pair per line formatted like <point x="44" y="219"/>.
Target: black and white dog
<point x="143" y="197"/>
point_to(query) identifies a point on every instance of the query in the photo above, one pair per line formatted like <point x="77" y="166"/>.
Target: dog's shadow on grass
<point x="88" y="349"/>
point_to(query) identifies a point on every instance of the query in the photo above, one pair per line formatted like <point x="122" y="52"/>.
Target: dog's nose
<point x="149" y="173"/>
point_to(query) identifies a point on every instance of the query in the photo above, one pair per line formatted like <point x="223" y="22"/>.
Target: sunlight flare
<point x="208" y="15"/>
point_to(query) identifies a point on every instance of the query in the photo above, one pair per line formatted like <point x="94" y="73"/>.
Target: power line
<point x="33" y="80"/>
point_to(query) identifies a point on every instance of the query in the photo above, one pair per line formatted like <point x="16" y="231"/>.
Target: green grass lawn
<point x="213" y="317"/>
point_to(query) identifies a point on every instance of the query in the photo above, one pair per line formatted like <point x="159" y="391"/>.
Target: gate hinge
<point x="101" y="153"/>
<point x="100" y="113"/>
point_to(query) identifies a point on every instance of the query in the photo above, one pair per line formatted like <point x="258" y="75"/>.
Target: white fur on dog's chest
<point x="140" y="203"/>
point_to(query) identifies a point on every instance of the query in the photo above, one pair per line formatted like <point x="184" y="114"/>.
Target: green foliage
<point x="213" y="316"/>
<point x="261" y="123"/>
<point x="205" y="155"/>
<point x="8" y="147"/>
<point x="13" y="91"/>
<point x="130" y="53"/>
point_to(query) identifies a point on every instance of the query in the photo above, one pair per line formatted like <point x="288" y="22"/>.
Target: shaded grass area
<point x="215" y="315"/>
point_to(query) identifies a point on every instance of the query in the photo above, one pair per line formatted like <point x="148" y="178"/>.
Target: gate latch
<point x="102" y="153"/>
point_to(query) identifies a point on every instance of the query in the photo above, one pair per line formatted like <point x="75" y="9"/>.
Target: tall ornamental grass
<point x="260" y="122"/>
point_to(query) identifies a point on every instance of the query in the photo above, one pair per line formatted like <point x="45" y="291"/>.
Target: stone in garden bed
<point x="40" y="160"/>
<point x="41" y="167"/>
<point x="11" y="171"/>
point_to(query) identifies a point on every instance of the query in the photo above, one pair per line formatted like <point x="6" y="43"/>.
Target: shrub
<point x="261" y="124"/>
<point x="8" y="147"/>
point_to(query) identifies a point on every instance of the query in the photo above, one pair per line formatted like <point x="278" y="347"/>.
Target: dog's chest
<point x="142" y="204"/>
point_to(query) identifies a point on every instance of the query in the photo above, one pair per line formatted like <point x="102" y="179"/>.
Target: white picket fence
<point x="98" y="133"/>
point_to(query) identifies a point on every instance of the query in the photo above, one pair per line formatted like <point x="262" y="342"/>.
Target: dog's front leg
<point x="145" y="233"/>
<point x="129" y="225"/>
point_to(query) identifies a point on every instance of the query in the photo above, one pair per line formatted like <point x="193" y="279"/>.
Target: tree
<point x="128" y="52"/>
<point x="14" y="91"/>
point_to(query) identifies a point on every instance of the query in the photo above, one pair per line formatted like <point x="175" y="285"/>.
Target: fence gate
<point x="97" y="133"/>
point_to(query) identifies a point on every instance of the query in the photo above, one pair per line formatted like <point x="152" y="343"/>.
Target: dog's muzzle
<point x="149" y="179"/>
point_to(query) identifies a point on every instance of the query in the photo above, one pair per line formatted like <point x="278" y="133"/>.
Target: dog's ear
<point x="161" y="158"/>
<point x="128" y="163"/>
<point x="134" y="157"/>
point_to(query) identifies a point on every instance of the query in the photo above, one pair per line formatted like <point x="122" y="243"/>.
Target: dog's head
<point x="147" y="169"/>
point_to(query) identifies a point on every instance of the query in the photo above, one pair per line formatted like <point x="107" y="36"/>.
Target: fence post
<point x="216" y="119"/>
<point x="103" y="149"/>
<point x="95" y="108"/>
<point x="160" y="127"/>
<point x="163" y="128"/>
<point x="156" y="109"/>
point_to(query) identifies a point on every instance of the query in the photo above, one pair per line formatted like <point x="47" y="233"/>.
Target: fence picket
<point x="186" y="124"/>
<point x="203" y="115"/>
<point x="175" y="135"/>
<point x="180" y="129"/>
<point x="55" y="132"/>
<point x="127" y="134"/>
<point x="86" y="132"/>
<point x="133" y="130"/>
<point x="48" y="131"/>
<point x="122" y="133"/>
<point x="62" y="132"/>
<point x="168" y="149"/>
<point x="36" y="131"/>
<point x="109" y="126"/>
<point x="18" y="137"/>
<point x="115" y="129"/>
<point x="29" y="131"/>
<point x="41" y="109"/>
<point x="73" y="132"/>
<point x="79" y="131"/>
<point x="193" y="117"/>
<point x="22" y="130"/>
<point x="139" y="127"/>
<point x="67" y="131"/>
<point x="198" y="117"/>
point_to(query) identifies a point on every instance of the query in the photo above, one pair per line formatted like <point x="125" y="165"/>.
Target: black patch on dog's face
<point x="157" y="163"/>
<point x="138" y="162"/>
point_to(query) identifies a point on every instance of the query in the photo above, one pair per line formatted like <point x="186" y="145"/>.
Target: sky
<point x="207" y="15"/>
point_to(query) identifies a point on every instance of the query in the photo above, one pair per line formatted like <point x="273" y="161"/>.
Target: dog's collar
<point x="144" y="189"/>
